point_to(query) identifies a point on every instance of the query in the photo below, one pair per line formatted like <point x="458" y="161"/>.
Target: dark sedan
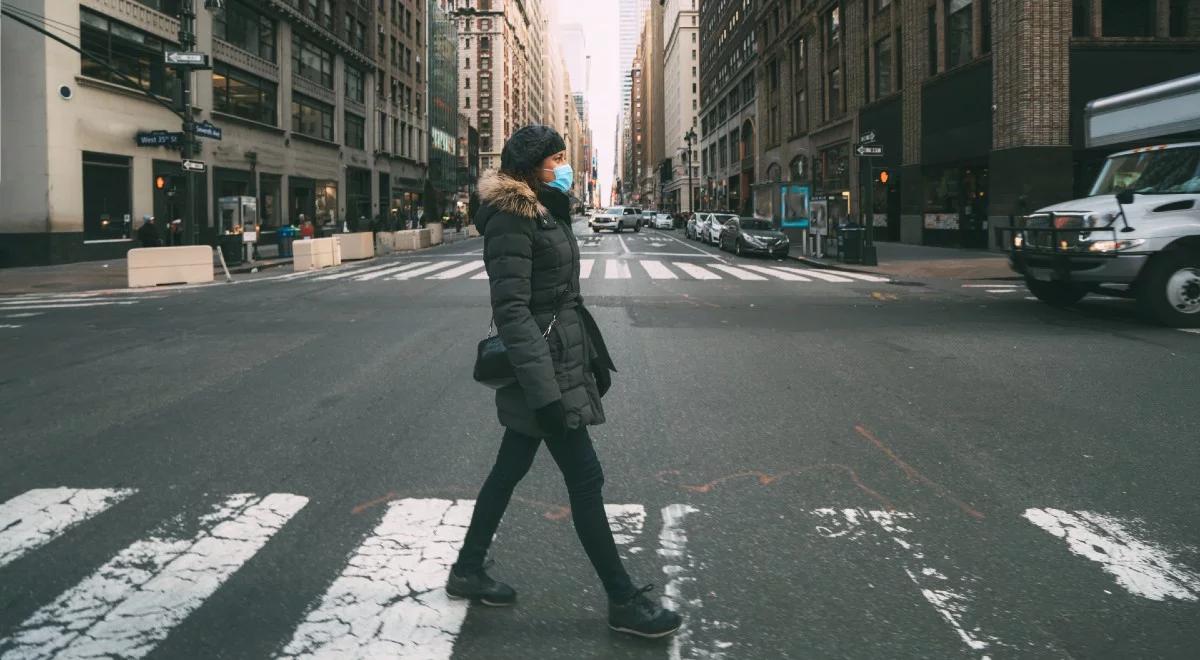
<point x="745" y="236"/>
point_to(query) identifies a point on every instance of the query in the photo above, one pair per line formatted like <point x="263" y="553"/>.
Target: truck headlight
<point x="1115" y="246"/>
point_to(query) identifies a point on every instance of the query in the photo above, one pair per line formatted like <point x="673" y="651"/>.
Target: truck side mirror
<point x="1125" y="197"/>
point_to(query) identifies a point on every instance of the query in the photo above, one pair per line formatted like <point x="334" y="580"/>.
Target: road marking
<point x="481" y="275"/>
<point x="991" y="286"/>
<point x="696" y="271"/>
<point x="1194" y="331"/>
<point x="813" y="272"/>
<point x="585" y="268"/>
<point x="778" y="273"/>
<point x="1140" y="567"/>
<point x="390" y="271"/>
<point x="131" y="603"/>
<point x="423" y="270"/>
<point x="390" y="599"/>
<point x="108" y="303"/>
<point x="23" y="315"/>
<point x="4" y="304"/>
<point x="349" y="272"/>
<point x="1002" y="291"/>
<point x="657" y="271"/>
<point x="624" y="247"/>
<point x="10" y="326"/>
<point x="615" y="269"/>
<point x="933" y="574"/>
<point x="679" y="570"/>
<point x="458" y="271"/>
<point x="626" y="522"/>
<point x="36" y="517"/>
<point x="609" y="252"/>
<point x="863" y="276"/>
<point x="739" y="273"/>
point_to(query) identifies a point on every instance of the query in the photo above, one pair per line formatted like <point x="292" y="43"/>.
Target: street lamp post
<point x="689" y="137"/>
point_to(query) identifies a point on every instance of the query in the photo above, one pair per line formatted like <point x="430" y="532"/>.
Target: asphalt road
<point x="806" y="468"/>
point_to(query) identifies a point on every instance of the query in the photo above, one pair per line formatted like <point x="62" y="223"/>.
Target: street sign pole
<point x="187" y="41"/>
<point x="867" y="151"/>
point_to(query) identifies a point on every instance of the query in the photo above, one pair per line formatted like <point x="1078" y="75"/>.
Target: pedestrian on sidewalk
<point x="148" y="234"/>
<point x="562" y="369"/>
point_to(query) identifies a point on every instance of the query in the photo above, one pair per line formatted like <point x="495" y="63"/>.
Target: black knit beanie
<point x="528" y="146"/>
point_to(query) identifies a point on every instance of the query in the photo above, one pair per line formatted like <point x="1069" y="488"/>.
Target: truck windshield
<point x="1160" y="172"/>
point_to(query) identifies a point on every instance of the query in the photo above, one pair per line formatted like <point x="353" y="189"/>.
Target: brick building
<point x="978" y="104"/>
<point x="728" y="124"/>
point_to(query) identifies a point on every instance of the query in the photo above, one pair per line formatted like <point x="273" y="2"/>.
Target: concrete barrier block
<point x="184" y="264"/>
<point x="436" y="231"/>
<point x="412" y="239"/>
<point x="313" y="253"/>
<point x="385" y="242"/>
<point x="357" y="246"/>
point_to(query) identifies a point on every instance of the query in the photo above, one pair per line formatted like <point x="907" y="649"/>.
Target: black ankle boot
<point x="642" y="617"/>
<point x="478" y="586"/>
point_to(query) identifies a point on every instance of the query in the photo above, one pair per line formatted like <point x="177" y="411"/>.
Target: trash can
<point x="849" y="243"/>
<point x="231" y="248"/>
<point x="283" y="239"/>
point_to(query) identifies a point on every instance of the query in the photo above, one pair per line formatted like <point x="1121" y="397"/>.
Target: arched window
<point x="798" y="169"/>
<point x="773" y="173"/>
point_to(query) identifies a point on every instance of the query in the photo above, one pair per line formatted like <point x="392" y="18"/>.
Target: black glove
<point x="603" y="378"/>
<point x="552" y="419"/>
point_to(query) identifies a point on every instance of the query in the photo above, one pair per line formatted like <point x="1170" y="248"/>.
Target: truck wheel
<point x="1058" y="294"/>
<point x="1170" y="289"/>
<point x="637" y="228"/>
<point x="595" y="230"/>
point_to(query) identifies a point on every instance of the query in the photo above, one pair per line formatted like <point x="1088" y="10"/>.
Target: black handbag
<point x="492" y="365"/>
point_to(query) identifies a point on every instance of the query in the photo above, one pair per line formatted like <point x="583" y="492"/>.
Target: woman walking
<point x="562" y="368"/>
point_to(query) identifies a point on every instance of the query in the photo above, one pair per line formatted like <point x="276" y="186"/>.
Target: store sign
<point x="442" y="140"/>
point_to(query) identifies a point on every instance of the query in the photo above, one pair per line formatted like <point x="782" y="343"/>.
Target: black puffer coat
<point x="532" y="262"/>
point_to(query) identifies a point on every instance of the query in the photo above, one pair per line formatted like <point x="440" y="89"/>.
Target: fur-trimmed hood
<point x="505" y="194"/>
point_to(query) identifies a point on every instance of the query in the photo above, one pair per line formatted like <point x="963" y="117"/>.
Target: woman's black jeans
<point x="576" y="459"/>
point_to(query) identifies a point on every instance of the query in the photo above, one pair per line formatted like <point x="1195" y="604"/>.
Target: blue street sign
<point x="158" y="138"/>
<point x="207" y="129"/>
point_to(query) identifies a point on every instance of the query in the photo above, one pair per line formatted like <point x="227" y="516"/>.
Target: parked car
<point x="710" y="231"/>
<point x="648" y="217"/>
<point x="692" y="228"/>
<point x="744" y="236"/>
<point x="617" y="219"/>
<point x="663" y="221"/>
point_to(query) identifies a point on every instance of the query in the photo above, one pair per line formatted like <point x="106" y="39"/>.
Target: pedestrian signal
<point x="884" y="176"/>
<point x="160" y="182"/>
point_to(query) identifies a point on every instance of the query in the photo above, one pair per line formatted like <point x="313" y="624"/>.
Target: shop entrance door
<point x="301" y="200"/>
<point x="973" y="214"/>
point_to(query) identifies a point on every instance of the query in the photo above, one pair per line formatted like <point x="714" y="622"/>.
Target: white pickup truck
<point x="1137" y="234"/>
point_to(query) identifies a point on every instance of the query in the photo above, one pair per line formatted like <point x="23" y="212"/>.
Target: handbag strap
<point x="549" y="326"/>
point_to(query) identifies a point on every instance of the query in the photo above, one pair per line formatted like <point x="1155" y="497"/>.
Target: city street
<point x="806" y="463"/>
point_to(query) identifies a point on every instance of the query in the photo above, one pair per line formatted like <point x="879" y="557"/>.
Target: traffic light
<point x="160" y="182"/>
<point x="883" y="175"/>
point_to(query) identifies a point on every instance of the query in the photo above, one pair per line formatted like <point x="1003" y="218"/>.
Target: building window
<point x="107" y="197"/>
<point x="327" y="14"/>
<point x="312" y="118"/>
<point x="800" y="111"/>
<point x="1184" y="21"/>
<point x="243" y="95"/>
<point x="169" y="7"/>
<point x="880" y="5"/>
<point x="136" y="54"/>
<point x="835" y="93"/>
<point x="1123" y="18"/>
<point x="958" y="32"/>
<point x="931" y="32"/>
<point x="883" y="67"/>
<point x="355" y="131"/>
<point x="311" y="62"/>
<point x="355" y="86"/>
<point x="1081" y="18"/>
<point x="239" y="25"/>
<point x="833" y="27"/>
<point x="985" y="26"/>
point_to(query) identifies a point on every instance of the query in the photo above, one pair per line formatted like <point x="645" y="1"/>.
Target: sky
<point x="599" y="19"/>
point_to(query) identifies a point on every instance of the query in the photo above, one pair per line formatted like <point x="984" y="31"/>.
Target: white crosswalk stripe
<point x="351" y="272"/>
<point x="864" y="277"/>
<point x="423" y="270"/>
<point x="698" y="272"/>
<point x="740" y="273"/>
<point x="131" y="603"/>
<point x="585" y="268"/>
<point x="615" y="269"/>
<point x="779" y="273"/>
<point x="468" y="267"/>
<point x="389" y="271"/>
<point x="657" y="271"/>
<point x="816" y="274"/>
<point x="37" y="517"/>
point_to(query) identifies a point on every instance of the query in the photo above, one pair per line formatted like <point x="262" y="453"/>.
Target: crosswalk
<point x="16" y="310"/>
<point x="386" y="598"/>
<point x="654" y="270"/>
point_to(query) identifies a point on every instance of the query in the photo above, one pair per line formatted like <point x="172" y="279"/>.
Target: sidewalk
<point x="916" y="262"/>
<point x="103" y="275"/>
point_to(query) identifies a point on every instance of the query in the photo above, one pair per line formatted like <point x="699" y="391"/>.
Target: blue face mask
<point x="564" y="176"/>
